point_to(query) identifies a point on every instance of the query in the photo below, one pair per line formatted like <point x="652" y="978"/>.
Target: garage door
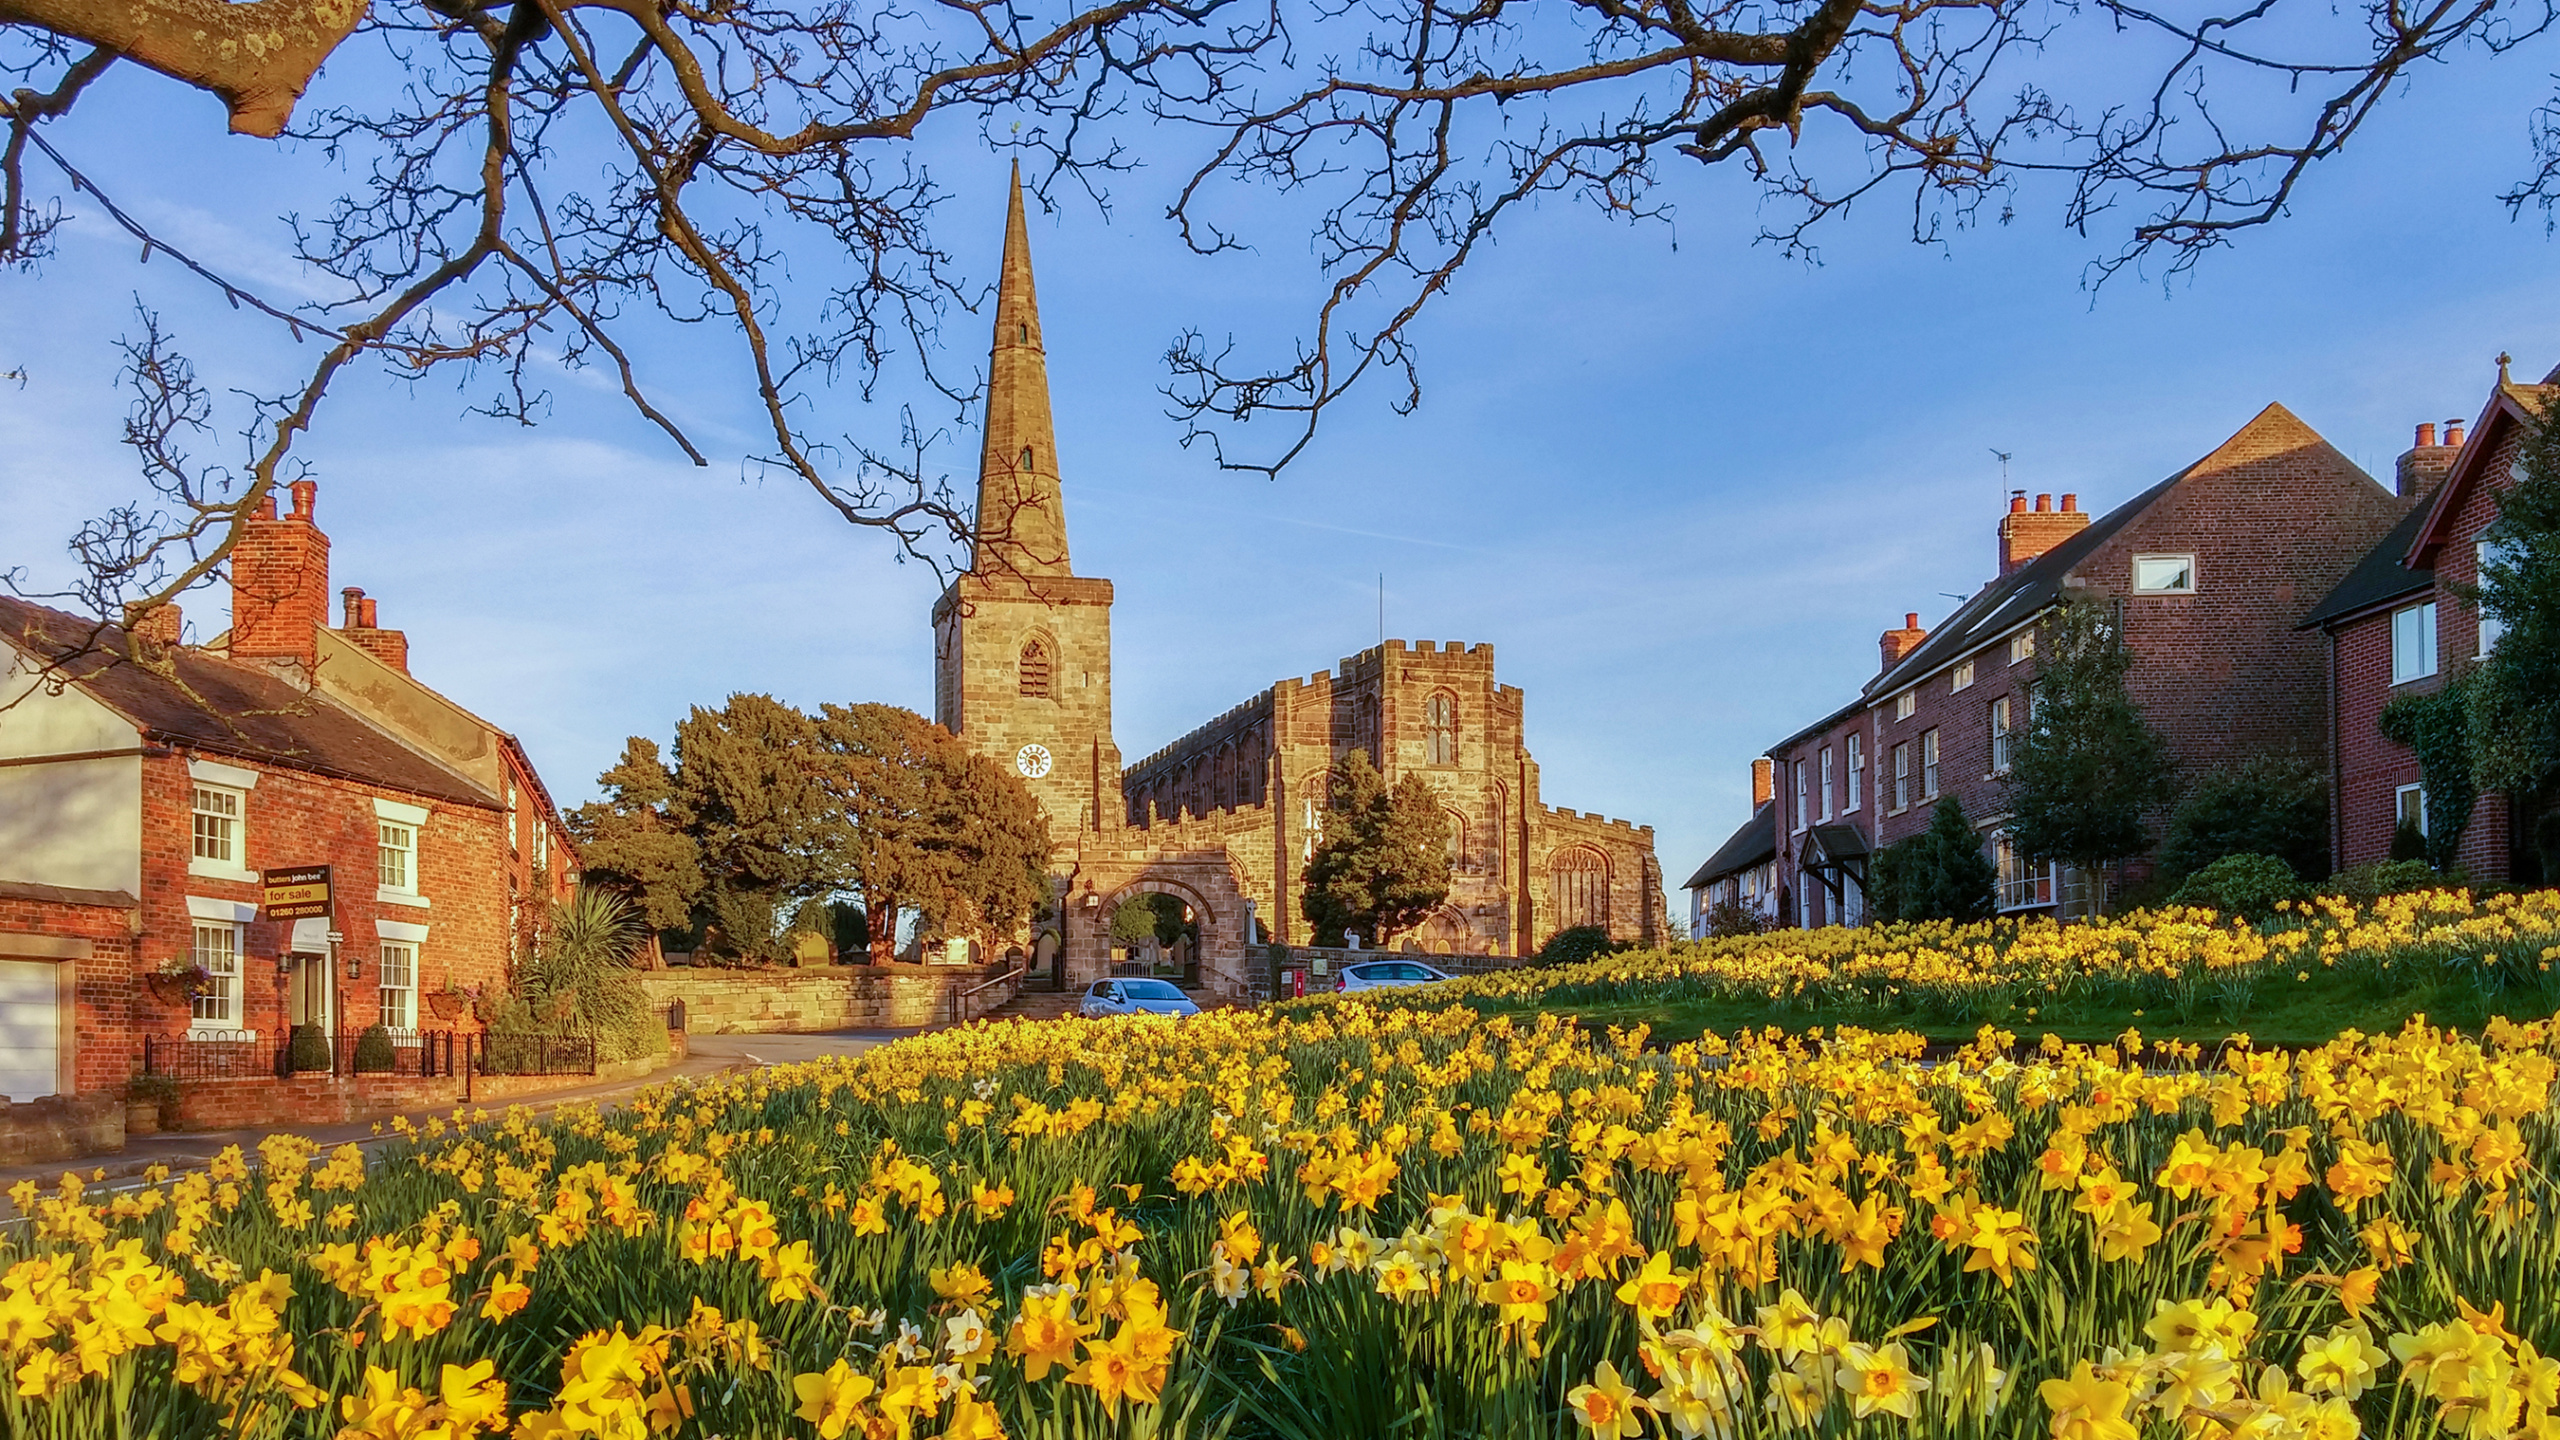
<point x="30" y="1028"/>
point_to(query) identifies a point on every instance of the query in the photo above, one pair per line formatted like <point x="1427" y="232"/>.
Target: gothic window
<point x="1440" y="729"/>
<point x="1035" y="669"/>
<point x="1578" y="885"/>
<point x="1026" y="457"/>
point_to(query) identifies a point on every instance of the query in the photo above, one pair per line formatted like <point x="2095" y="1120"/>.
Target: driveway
<point x="708" y="1055"/>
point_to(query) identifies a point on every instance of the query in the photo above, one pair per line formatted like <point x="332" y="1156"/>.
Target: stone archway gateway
<point x="1204" y="881"/>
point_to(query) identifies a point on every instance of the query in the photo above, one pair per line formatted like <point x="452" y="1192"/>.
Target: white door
<point x="30" y="1029"/>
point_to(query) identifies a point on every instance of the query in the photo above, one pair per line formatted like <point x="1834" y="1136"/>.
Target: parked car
<point x="1135" y="997"/>
<point x="1387" y="974"/>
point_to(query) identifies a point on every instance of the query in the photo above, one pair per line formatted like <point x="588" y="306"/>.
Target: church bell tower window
<point x="1440" y="729"/>
<point x="1035" y="670"/>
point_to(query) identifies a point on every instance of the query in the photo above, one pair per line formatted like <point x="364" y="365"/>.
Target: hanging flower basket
<point x="447" y="1005"/>
<point x="177" y="984"/>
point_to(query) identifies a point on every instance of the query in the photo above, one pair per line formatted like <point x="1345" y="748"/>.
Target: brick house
<point x="1744" y="870"/>
<point x="146" y="783"/>
<point x="2206" y="571"/>
<point x="2396" y="625"/>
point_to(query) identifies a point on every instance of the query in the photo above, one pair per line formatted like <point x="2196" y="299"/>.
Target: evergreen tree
<point x="2266" y="805"/>
<point x="1384" y="861"/>
<point x="752" y="787"/>
<point x="936" y="828"/>
<point x="2088" y="767"/>
<point x="1946" y="876"/>
<point x="2514" y="695"/>
<point x="629" y="845"/>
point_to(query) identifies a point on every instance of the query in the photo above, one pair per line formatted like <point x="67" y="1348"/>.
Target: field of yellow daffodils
<point x="2305" y="973"/>
<point x="1359" y="1220"/>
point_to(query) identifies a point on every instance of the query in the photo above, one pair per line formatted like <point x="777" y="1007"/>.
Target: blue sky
<point x="1680" y="487"/>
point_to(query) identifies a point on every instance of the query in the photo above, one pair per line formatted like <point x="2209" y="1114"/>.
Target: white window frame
<point x="2020" y="887"/>
<point x="2002" y="734"/>
<point x="1799" y="768"/>
<point x="1857" y="773"/>
<point x="1901" y="777"/>
<point x="414" y="819"/>
<point x="512" y="847"/>
<point x="206" y="913"/>
<point x="2188" y="562"/>
<point x="2022" y="646"/>
<point x="2400" y="806"/>
<point x="1929" y="763"/>
<point x="1905" y="703"/>
<point x="1960" y="677"/>
<point x="406" y="1022"/>
<point x="1826" y="782"/>
<point x="236" y="783"/>
<point x="2413" y="644"/>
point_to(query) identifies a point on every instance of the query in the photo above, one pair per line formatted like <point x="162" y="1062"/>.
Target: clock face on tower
<point x="1032" y="761"/>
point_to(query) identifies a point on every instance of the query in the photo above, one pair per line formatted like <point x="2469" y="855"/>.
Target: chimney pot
<point x="267" y="507"/>
<point x="2427" y="436"/>
<point x="1911" y="620"/>
<point x="2453" y="433"/>
<point x="2018" y="503"/>
<point x="2070" y="504"/>
<point x="351" y="601"/>
<point x="2044" y="504"/>
<point x="305" y="495"/>
<point x="371" y="615"/>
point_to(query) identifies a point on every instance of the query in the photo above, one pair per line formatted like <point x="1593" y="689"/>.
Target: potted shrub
<point x="306" y="1047"/>
<point x="374" y="1055"/>
<point x="145" y="1098"/>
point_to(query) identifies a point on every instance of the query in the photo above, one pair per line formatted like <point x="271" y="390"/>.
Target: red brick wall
<point x="293" y="818"/>
<point x="103" y="1040"/>
<point x="280" y="583"/>
<point x="2370" y="769"/>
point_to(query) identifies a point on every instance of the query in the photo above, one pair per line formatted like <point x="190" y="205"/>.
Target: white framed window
<point x="217" y="949"/>
<point x="2021" y="886"/>
<point x="1857" y="771"/>
<point x="219" y="821"/>
<point x="1905" y="703"/>
<point x="2022" y="646"/>
<point x="1902" y="776"/>
<point x="1826" y="782"/>
<point x="2000" y="736"/>
<point x="2491" y="627"/>
<point x="2409" y="807"/>
<point x="1800" y="811"/>
<point x="2164" y="574"/>
<point x="399" y="985"/>
<point x="2413" y="642"/>
<point x="1960" y="677"/>
<point x="1929" y="763"/>
<point x="397" y="828"/>
<point x="511" y="817"/>
<point x="541" y="845"/>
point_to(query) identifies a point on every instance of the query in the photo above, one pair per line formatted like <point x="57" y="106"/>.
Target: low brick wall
<point x="307" y="1100"/>
<point x="838" y="997"/>
<point x="60" y="1127"/>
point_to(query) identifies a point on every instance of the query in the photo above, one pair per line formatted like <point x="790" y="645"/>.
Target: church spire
<point x="1022" y="523"/>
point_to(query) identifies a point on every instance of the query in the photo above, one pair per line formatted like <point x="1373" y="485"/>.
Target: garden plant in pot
<point x="149" y="1100"/>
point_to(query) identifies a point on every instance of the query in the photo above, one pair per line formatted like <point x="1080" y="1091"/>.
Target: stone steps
<point x="1038" y="1005"/>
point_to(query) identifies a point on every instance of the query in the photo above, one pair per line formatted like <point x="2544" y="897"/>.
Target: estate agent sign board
<point x="297" y="892"/>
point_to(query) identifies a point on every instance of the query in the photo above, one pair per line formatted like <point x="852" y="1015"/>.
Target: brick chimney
<point x="161" y="625"/>
<point x="2026" y="534"/>
<point x="1898" y="643"/>
<point x="1764" y="782"/>
<point x="361" y="628"/>
<point x="280" y="584"/>
<point x="2426" y="462"/>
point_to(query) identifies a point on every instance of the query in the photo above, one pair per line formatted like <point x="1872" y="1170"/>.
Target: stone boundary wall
<point x="839" y="997"/>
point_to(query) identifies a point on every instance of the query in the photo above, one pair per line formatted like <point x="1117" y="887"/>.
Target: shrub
<point x="577" y="980"/>
<point x="1940" y="873"/>
<point x="2408" y="842"/>
<point x="1731" y="917"/>
<point x="2250" y="885"/>
<point x="306" y="1047"/>
<point x="2266" y="805"/>
<point x="1575" y="945"/>
<point x="2367" y="883"/>
<point x="374" y="1055"/>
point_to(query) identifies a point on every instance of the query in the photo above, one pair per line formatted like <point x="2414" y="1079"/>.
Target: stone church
<point x="1225" y="817"/>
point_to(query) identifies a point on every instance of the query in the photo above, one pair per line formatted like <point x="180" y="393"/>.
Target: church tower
<point x="1021" y="643"/>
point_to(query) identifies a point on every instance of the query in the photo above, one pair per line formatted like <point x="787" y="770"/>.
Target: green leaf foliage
<point x="2266" y="805"/>
<point x="1575" y="944"/>
<point x="576" y="979"/>
<point x="2250" y="885"/>
<point x="936" y="828"/>
<point x="1384" y="862"/>
<point x="1939" y="874"/>
<point x="2514" y="700"/>
<point x="2437" y="726"/>
<point x="2088" y="768"/>
<point x="630" y="844"/>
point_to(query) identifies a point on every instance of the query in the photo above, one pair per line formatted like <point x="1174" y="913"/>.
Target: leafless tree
<point x="538" y="179"/>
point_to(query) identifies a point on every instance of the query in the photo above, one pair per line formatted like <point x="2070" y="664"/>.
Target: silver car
<point x="1387" y="975"/>
<point x="1135" y="997"/>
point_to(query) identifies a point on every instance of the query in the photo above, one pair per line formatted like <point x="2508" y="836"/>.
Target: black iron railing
<point x="533" y="1055"/>
<point x="241" y="1056"/>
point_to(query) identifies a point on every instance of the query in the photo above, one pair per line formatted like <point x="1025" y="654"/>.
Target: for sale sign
<point x="297" y="892"/>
